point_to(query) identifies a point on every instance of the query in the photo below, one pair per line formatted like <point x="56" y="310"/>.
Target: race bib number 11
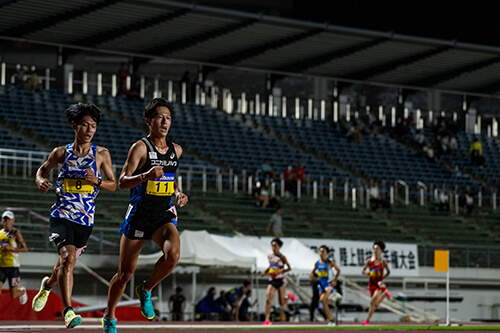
<point x="163" y="186"/>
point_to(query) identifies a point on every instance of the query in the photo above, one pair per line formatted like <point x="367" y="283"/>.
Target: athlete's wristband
<point x="99" y="181"/>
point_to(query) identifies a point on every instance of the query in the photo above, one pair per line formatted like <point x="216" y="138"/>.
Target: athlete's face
<point x="276" y="248"/>
<point x="323" y="254"/>
<point x="7" y="223"/>
<point x="85" y="129"/>
<point x="377" y="251"/>
<point x="161" y="121"/>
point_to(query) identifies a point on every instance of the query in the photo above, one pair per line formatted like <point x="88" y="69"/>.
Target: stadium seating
<point x="375" y="157"/>
<point x="213" y="138"/>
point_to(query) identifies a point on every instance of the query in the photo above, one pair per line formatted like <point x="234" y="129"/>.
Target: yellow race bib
<point x="161" y="187"/>
<point x="77" y="186"/>
<point x="322" y="273"/>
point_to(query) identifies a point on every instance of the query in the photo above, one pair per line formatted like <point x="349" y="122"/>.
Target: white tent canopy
<point x="204" y="249"/>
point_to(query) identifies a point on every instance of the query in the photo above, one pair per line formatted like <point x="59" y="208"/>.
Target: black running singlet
<point x="155" y="195"/>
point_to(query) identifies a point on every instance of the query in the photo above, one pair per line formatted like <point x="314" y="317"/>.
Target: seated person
<point x="267" y="170"/>
<point x="208" y="305"/>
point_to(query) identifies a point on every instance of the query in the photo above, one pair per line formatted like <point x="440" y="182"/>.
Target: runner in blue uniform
<point x="72" y="216"/>
<point x="149" y="172"/>
<point x="321" y="273"/>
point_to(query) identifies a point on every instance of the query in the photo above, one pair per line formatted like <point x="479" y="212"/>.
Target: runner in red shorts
<point x="374" y="267"/>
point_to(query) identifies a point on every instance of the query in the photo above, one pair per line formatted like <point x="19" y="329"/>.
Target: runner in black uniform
<point x="150" y="174"/>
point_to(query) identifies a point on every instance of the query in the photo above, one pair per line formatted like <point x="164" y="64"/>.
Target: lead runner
<point x="149" y="172"/>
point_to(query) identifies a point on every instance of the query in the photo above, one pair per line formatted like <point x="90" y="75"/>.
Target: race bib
<point x="163" y="186"/>
<point x="74" y="182"/>
<point x="274" y="270"/>
<point x="322" y="273"/>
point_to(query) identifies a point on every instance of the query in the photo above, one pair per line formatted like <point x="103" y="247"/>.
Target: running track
<point x="92" y="325"/>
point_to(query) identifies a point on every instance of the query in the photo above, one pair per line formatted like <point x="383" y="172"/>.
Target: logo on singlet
<point x="152" y="155"/>
<point x="172" y="156"/>
<point x="163" y="163"/>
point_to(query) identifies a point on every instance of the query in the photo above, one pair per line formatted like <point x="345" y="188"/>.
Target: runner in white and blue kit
<point x="149" y="172"/>
<point x="72" y="215"/>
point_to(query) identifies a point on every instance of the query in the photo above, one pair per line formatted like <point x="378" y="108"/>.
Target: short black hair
<point x="212" y="289"/>
<point x="326" y="248"/>
<point x="154" y="104"/>
<point x="178" y="289"/>
<point x="380" y="244"/>
<point x="246" y="283"/>
<point x="75" y="112"/>
<point x="278" y="241"/>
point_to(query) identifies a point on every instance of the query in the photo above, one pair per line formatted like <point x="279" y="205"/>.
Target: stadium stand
<point x="375" y="157"/>
<point x="283" y="141"/>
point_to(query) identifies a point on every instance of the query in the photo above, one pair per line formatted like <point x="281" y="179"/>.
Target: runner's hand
<point x="182" y="199"/>
<point x="43" y="184"/>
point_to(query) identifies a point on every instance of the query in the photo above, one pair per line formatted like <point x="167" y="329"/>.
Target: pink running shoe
<point x="365" y="323"/>
<point x="291" y="296"/>
<point x="387" y="293"/>
<point x="267" y="323"/>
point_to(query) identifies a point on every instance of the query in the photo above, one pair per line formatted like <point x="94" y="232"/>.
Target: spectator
<point x="419" y="138"/>
<point x="354" y="133"/>
<point x="267" y="170"/>
<point x="123" y="73"/>
<point x="299" y="173"/>
<point x="261" y="196"/>
<point x="469" y="202"/>
<point x="34" y="80"/>
<point x="476" y="153"/>
<point x="208" y="305"/>
<point x="177" y="305"/>
<point x="135" y="89"/>
<point x="21" y="77"/>
<point x="244" y="312"/>
<point x="11" y="244"/>
<point x="376" y="199"/>
<point x="428" y="151"/>
<point x="264" y="198"/>
<point x="444" y="200"/>
<point x="276" y="223"/>
<point x="453" y="145"/>
<point x="290" y="185"/>
<point x="445" y="144"/>
<point x="234" y="296"/>
<point x="221" y="300"/>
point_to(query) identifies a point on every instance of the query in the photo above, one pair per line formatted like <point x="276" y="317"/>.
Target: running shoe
<point x="387" y="293"/>
<point x="147" y="309"/>
<point x="71" y="319"/>
<point x="365" y="323"/>
<point x="24" y="297"/>
<point x="291" y="295"/>
<point x="108" y="324"/>
<point x="331" y="323"/>
<point x="267" y="323"/>
<point x="40" y="299"/>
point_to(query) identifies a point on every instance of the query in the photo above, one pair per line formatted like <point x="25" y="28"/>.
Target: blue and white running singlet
<point x="75" y="195"/>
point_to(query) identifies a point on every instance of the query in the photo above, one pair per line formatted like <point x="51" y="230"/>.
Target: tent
<point x="247" y="252"/>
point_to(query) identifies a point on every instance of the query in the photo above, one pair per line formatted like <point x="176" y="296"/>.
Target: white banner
<point x="350" y="256"/>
